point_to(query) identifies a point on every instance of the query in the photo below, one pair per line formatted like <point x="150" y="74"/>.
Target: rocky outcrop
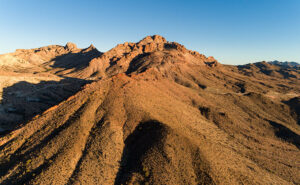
<point x="70" y="46"/>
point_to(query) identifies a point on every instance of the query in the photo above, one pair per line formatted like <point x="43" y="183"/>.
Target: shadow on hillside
<point x="76" y="60"/>
<point x="286" y="134"/>
<point x="136" y="63"/>
<point x="23" y="100"/>
<point x="145" y="136"/>
<point x="294" y="104"/>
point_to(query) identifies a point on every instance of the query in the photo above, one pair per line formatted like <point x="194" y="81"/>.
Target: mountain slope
<point x="33" y="80"/>
<point x="162" y="116"/>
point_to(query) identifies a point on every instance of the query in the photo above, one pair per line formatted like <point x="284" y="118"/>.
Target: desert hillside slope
<point x="32" y="80"/>
<point x="154" y="112"/>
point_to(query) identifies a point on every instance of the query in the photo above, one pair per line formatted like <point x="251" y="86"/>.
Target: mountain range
<point x="151" y="112"/>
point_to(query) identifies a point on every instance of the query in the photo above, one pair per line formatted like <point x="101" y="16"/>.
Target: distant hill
<point x="286" y="63"/>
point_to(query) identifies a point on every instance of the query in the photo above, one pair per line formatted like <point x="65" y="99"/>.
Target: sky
<point x="233" y="31"/>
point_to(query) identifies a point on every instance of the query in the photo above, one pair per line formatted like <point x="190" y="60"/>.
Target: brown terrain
<point x="151" y="112"/>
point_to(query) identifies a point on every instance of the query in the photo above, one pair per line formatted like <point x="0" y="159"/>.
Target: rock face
<point x="155" y="112"/>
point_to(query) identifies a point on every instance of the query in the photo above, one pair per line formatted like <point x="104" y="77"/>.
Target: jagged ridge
<point x="123" y="56"/>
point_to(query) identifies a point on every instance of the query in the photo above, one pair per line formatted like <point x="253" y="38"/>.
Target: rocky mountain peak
<point x="70" y="46"/>
<point x="92" y="46"/>
<point x="152" y="39"/>
<point x="150" y="52"/>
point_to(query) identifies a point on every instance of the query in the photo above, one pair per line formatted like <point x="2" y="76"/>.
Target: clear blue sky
<point x="233" y="31"/>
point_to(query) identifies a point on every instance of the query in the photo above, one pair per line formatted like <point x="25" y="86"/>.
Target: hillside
<point x="154" y="112"/>
<point x="33" y="80"/>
